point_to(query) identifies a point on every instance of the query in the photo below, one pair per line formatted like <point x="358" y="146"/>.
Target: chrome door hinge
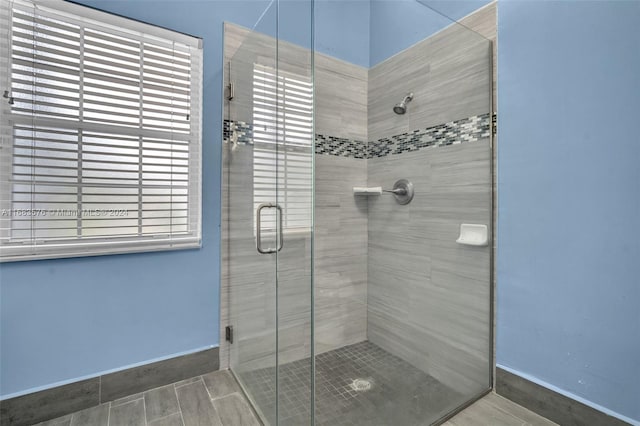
<point x="229" y="87"/>
<point x="230" y="91"/>
<point x="8" y="97"/>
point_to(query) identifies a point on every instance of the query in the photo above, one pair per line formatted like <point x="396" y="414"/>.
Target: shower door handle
<point x="279" y="238"/>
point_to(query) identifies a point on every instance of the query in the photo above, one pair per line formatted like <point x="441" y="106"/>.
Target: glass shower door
<point x="249" y="262"/>
<point x="267" y="216"/>
<point x="294" y="193"/>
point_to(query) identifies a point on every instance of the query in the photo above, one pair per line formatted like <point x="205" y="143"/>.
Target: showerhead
<point x="401" y="108"/>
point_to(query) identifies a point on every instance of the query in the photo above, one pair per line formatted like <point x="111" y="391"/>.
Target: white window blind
<point x="283" y="146"/>
<point x="101" y="134"/>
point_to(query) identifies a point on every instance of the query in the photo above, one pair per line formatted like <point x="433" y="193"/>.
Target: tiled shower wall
<point x="340" y="261"/>
<point x="340" y="274"/>
<point x="429" y="297"/>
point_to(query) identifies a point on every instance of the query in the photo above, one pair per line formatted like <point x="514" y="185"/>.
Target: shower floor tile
<point x="360" y="384"/>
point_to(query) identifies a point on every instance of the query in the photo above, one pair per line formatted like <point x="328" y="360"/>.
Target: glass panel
<point x="402" y="310"/>
<point x="294" y="194"/>
<point x="268" y="167"/>
<point x="249" y="277"/>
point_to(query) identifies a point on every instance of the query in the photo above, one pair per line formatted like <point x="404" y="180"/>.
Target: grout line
<point x="166" y="416"/>
<point x="224" y="396"/>
<point x="127" y="402"/>
<point x="175" y="390"/>
<point x="144" y="408"/>
<point x="186" y="384"/>
<point x="207" y="389"/>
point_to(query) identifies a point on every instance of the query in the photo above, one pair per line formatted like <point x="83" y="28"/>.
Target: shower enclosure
<point x="343" y="301"/>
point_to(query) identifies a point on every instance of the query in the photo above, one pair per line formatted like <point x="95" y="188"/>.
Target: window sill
<point x="15" y="254"/>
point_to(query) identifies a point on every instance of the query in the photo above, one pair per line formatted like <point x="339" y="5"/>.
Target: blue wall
<point x="399" y="24"/>
<point x="342" y="30"/>
<point x="62" y="320"/>
<point x="569" y="198"/>
<point x="66" y="319"/>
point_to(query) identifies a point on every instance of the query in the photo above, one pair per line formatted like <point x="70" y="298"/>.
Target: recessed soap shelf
<point x="473" y="235"/>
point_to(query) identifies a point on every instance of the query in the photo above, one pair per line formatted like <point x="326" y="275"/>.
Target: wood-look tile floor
<point x="494" y="410"/>
<point x="216" y="399"/>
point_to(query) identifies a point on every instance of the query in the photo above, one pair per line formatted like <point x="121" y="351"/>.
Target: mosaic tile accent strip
<point x="325" y="145"/>
<point x="469" y="129"/>
<point x="341" y="147"/>
<point x="243" y="131"/>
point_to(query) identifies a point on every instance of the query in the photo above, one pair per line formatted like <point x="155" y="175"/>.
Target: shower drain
<point x="360" y="385"/>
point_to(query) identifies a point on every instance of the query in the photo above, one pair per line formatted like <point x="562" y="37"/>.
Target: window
<point x="283" y="144"/>
<point x="101" y="134"/>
